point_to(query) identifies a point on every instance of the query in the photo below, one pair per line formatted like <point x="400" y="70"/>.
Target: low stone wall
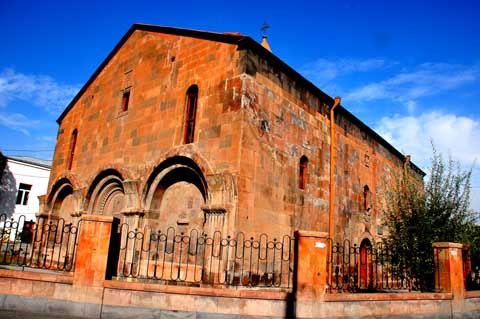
<point x="45" y="293"/>
<point x="86" y="293"/>
<point x="471" y="304"/>
<point x="245" y="302"/>
<point x="56" y="295"/>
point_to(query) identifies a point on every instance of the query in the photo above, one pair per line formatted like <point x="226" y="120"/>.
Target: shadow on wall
<point x="8" y="192"/>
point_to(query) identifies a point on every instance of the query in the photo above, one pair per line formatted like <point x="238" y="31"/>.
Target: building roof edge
<point x="243" y="42"/>
<point x="31" y="160"/>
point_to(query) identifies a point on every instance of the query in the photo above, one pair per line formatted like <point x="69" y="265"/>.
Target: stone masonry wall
<point x="277" y="134"/>
<point x="253" y="124"/>
<point x="157" y="69"/>
<point x="283" y="122"/>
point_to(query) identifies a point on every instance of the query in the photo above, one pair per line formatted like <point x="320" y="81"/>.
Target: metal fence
<point x="471" y="271"/>
<point x="197" y="259"/>
<point x="369" y="268"/>
<point x="44" y="243"/>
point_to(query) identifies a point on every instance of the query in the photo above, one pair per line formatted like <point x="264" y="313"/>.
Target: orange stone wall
<point x="283" y="122"/>
<point x="254" y="122"/>
<point x="158" y="69"/>
<point x="162" y="68"/>
<point x="269" y="194"/>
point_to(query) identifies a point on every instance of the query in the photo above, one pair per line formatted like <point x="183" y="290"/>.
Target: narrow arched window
<point x="190" y="113"/>
<point x="73" y="143"/>
<point x="302" y="173"/>
<point x="366" y="195"/>
<point x="125" y="100"/>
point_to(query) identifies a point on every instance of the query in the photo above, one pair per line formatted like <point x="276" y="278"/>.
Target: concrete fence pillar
<point x="312" y="260"/>
<point x="93" y="248"/>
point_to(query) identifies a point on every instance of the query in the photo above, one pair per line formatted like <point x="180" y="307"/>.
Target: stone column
<point x="312" y="263"/>
<point x="92" y="251"/>
<point x="449" y="272"/>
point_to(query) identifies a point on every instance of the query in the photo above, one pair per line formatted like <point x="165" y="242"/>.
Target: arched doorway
<point x="365" y="265"/>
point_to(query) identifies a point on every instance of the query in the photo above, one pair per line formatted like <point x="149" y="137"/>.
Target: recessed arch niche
<point x="174" y="195"/>
<point x="61" y="201"/>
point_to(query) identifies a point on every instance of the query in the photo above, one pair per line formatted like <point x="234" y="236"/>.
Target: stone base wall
<point x="52" y="295"/>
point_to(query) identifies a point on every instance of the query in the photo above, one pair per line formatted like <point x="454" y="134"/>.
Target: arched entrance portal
<point x="106" y="195"/>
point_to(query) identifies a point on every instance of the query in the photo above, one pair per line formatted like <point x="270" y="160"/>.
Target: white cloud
<point x="458" y="136"/>
<point x="39" y="90"/>
<point x="323" y="71"/>
<point x="426" y="80"/>
<point x="17" y="122"/>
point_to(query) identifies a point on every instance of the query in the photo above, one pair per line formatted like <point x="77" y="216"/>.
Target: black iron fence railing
<point x="44" y="243"/>
<point x="197" y="259"/>
<point x="471" y="272"/>
<point x="369" y="268"/>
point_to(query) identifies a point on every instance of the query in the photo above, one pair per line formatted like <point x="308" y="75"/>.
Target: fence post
<point x="449" y="272"/>
<point x="92" y="251"/>
<point x="312" y="261"/>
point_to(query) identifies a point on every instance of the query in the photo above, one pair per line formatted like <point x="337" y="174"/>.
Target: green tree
<point x="421" y="214"/>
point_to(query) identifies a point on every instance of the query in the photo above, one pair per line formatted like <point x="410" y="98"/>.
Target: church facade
<point x="211" y="131"/>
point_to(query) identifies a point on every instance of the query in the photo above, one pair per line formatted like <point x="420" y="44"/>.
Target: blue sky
<point x="408" y="69"/>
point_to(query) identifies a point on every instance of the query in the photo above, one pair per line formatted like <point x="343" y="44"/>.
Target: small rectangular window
<point x="302" y="178"/>
<point x="125" y="100"/>
<point x="22" y="195"/>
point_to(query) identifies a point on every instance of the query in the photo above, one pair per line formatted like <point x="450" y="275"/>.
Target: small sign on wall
<point x="319" y="244"/>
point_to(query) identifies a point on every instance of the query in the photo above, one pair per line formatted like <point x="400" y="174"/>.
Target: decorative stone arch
<point x="188" y="171"/>
<point x="174" y="194"/>
<point x="72" y="179"/>
<point x="117" y="168"/>
<point x="190" y="152"/>
<point x="106" y="194"/>
<point x="366" y="235"/>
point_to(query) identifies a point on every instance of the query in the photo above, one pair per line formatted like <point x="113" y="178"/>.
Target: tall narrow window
<point x="302" y="174"/>
<point x="22" y="195"/>
<point x="366" y="195"/>
<point x="190" y="112"/>
<point x="73" y="143"/>
<point x="125" y="100"/>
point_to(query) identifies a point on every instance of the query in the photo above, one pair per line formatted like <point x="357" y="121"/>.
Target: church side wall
<point x="283" y="122"/>
<point x="277" y="134"/>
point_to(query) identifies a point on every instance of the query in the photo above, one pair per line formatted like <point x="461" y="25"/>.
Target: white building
<point x="23" y="180"/>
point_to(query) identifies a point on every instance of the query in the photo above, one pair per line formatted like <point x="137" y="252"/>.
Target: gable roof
<point x="227" y="37"/>
<point x="243" y="42"/>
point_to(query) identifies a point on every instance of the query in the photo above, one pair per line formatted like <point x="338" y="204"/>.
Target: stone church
<point x="212" y="131"/>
